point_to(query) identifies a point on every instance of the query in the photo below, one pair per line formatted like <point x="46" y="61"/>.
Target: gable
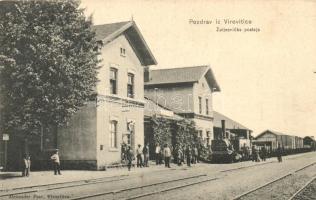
<point x="111" y="53"/>
<point x="106" y="33"/>
<point x="266" y="134"/>
<point x="183" y="75"/>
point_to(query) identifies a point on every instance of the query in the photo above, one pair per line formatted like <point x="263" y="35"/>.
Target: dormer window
<point x="123" y="51"/>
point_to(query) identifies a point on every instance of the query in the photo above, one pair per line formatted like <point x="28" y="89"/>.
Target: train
<point x="231" y="145"/>
<point x="237" y="145"/>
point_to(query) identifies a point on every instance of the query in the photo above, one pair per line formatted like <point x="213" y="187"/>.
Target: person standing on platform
<point x="26" y="165"/>
<point x="139" y="153"/>
<point x="253" y="153"/>
<point x="167" y="154"/>
<point x="158" y="154"/>
<point x="188" y="154"/>
<point x="146" y="155"/>
<point x="179" y="155"/>
<point x="263" y="153"/>
<point x="56" y="162"/>
<point x="195" y="154"/>
<point x="279" y="153"/>
<point x="129" y="157"/>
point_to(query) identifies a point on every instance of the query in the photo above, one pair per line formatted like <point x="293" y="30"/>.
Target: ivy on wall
<point x="178" y="134"/>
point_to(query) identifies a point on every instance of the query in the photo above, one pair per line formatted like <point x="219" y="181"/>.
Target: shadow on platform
<point x="9" y="175"/>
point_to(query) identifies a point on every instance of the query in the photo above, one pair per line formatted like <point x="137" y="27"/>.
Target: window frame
<point x="207" y="112"/>
<point x="200" y="105"/>
<point x="114" y="90"/>
<point x="122" y="51"/>
<point x="200" y="133"/>
<point x="130" y="85"/>
<point x="208" y="138"/>
<point x="113" y="134"/>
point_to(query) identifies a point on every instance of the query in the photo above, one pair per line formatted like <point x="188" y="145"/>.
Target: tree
<point x="48" y="63"/>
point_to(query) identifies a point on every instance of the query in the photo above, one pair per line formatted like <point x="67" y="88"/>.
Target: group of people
<point x="142" y="155"/>
<point x="258" y="153"/>
<point x="163" y="154"/>
<point x="262" y="154"/>
<point x="26" y="163"/>
<point x="189" y="155"/>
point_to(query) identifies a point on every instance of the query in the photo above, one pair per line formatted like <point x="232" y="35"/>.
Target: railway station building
<point x="187" y="91"/>
<point x="96" y="134"/>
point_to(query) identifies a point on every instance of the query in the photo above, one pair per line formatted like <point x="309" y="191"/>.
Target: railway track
<point x="151" y="189"/>
<point x="238" y="168"/>
<point x="63" y="185"/>
<point x="306" y="191"/>
<point x="248" y="194"/>
<point x="138" y="191"/>
<point x="56" y="186"/>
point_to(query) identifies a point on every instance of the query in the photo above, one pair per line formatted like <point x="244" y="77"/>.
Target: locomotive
<point x="231" y="146"/>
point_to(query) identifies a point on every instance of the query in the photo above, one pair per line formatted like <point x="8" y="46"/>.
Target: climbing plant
<point x="177" y="134"/>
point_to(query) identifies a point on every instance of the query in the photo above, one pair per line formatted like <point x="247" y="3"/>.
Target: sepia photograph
<point x="157" y="99"/>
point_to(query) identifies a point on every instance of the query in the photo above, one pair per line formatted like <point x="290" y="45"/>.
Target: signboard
<point x="5" y="137"/>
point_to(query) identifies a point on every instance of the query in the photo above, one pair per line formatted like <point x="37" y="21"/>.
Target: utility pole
<point x="42" y="139"/>
<point x="5" y="155"/>
<point x="5" y="138"/>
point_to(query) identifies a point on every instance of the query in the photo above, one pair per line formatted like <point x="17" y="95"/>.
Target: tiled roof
<point x="182" y="75"/>
<point x="108" y="32"/>
<point x="176" y="75"/>
<point x="229" y="123"/>
<point x="104" y="30"/>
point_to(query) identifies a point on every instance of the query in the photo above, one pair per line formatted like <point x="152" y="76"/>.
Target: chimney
<point x="223" y="129"/>
<point x="146" y="73"/>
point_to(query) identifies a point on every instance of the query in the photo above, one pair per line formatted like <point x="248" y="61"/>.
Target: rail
<point x="273" y="181"/>
<point x="137" y="187"/>
<point x="302" y="188"/>
<point x="63" y="185"/>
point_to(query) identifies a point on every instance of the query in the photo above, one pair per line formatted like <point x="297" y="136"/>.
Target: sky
<point x="266" y="77"/>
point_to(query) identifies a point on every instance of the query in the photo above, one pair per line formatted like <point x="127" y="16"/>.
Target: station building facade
<point x="94" y="136"/>
<point x="186" y="91"/>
